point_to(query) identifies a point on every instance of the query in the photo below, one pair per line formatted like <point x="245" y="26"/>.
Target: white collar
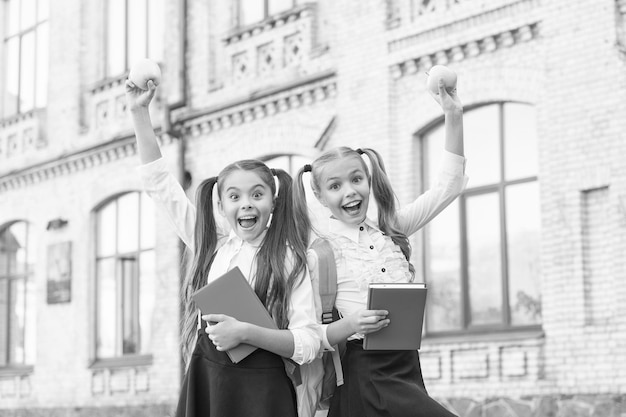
<point x="351" y="231"/>
<point x="235" y="240"/>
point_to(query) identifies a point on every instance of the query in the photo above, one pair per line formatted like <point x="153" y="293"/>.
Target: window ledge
<point x="269" y="23"/>
<point x="527" y="333"/>
<point x="16" y="370"/>
<point x="122" y="362"/>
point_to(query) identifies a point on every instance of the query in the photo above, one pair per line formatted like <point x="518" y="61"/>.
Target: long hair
<point x="281" y="258"/>
<point x="380" y="185"/>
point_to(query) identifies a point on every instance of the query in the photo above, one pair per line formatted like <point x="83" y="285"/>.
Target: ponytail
<point x="300" y="208"/>
<point x="386" y="201"/>
<point x="282" y="235"/>
<point x="205" y="242"/>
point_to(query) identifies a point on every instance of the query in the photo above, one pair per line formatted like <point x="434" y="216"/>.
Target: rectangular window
<point x="135" y="30"/>
<point x="253" y="11"/>
<point x="26" y="41"/>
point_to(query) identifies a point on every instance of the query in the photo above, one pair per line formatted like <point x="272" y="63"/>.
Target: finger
<point x="442" y="89"/>
<point x="214" y="318"/>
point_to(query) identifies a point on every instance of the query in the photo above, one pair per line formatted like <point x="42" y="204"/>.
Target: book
<point x="231" y="294"/>
<point x="405" y="303"/>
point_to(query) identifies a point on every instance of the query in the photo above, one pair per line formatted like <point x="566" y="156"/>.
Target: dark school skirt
<point x="213" y="386"/>
<point x="383" y="383"/>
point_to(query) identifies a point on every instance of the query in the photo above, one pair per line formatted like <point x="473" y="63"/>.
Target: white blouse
<point x="364" y="254"/>
<point x="232" y="251"/>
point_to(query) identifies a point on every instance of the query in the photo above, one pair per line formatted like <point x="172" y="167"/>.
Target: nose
<point x="245" y="203"/>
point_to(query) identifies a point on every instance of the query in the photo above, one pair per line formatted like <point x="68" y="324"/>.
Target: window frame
<point x="27" y="276"/>
<point x="266" y="13"/>
<point x="39" y="93"/>
<point x="109" y="72"/>
<point x="119" y="358"/>
<point x="499" y="187"/>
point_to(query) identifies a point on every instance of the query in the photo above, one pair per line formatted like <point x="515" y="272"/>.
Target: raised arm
<point x="138" y="101"/>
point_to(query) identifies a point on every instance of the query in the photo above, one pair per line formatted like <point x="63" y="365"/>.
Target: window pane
<point x="484" y="260"/>
<point x="147" y="295"/>
<point x="482" y="144"/>
<point x="434" y="150"/>
<point x="28" y="14"/>
<point x="16" y="246"/>
<point x="4" y="320"/>
<point x="156" y="30"/>
<point x="106" y="230"/>
<point x="17" y="317"/>
<point x="137" y="43"/>
<point x="128" y="223"/>
<point x="13" y="77"/>
<point x="277" y="6"/>
<point x="30" y="327"/>
<point x="41" y="90"/>
<point x="444" y="271"/>
<point x="107" y="307"/>
<point x="148" y="225"/>
<point x="27" y="73"/>
<point x="130" y="335"/>
<point x="523" y="223"/>
<point x="251" y="11"/>
<point x="43" y="8"/>
<point x="116" y="38"/>
<point x="13" y="17"/>
<point x="520" y="141"/>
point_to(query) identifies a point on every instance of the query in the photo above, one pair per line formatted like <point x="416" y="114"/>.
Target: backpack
<point x="327" y="289"/>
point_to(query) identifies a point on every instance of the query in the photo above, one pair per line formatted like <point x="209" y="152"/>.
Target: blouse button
<point x="383" y="269"/>
<point x="361" y="228"/>
<point x="371" y="246"/>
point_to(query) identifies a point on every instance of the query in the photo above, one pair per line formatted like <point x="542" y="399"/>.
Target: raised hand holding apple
<point x="441" y="72"/>
<point x="142" y="71"/>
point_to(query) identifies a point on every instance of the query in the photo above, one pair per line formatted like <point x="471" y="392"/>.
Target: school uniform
<point x="213" y="385"/>
<point x="384" y="383"/>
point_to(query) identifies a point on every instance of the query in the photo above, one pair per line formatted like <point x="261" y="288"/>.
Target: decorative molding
<point x="270" y="23"/>
<point x="469" y="49"/>
<point x="248" y="109"/>
<point x="80" y="161"/>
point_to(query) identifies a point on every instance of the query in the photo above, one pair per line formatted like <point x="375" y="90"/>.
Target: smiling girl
<point x="376" y="383"/>
<point x="270" y="255"/>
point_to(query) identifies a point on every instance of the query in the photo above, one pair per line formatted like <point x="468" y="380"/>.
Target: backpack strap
<point x="327" y="278"/>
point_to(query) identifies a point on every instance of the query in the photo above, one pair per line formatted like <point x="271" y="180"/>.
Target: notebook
<point x="231" y="294"/>
<point x="406" y="303"/>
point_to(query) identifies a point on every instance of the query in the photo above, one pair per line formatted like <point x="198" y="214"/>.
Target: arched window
<point x="125" y="276"/>
<point x="17" y="264"/>
<point x="482" y="253"/>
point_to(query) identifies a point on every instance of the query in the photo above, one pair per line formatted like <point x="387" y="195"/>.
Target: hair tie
<point x="308" y="168"/>
<point x="273" y="171"/>
<point x="360" y="151"/>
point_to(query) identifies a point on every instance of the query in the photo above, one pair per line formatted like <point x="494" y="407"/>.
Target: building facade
<point x="526" y="270"/>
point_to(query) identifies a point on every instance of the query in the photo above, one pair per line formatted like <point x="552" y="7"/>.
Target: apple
<point x="441" y="72"/>
<point x="144" y="70"/>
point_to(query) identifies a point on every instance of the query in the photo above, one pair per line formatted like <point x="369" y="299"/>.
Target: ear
<point x="220" y="208"/>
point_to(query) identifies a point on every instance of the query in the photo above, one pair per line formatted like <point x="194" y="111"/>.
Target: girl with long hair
<point x="376" y="383"/>
<point x="265" y="245"/>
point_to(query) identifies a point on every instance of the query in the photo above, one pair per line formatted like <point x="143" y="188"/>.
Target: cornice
<point x="261" y="104"/>
<point x="82" y="160"/>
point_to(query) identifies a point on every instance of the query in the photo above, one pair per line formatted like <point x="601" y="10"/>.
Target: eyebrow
<point x="254" y="187"/>
<point x="354" y="171"/>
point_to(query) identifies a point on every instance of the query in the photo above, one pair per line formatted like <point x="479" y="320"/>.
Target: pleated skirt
<point x="383" y="383"/>
<point x="213" y="386"/>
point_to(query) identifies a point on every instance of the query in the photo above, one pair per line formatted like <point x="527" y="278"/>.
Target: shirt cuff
<point x="303" y="353"/>
<point x="148" y="170"/>
<point x="451" y="162"/>
<point x="326" y="347"/>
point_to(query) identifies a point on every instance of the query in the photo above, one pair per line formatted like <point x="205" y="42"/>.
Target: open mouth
<point x="353" y="207"/>
<point x="247" y="222"/>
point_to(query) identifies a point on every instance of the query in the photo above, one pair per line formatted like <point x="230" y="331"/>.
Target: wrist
<point x="454" y="113"/>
